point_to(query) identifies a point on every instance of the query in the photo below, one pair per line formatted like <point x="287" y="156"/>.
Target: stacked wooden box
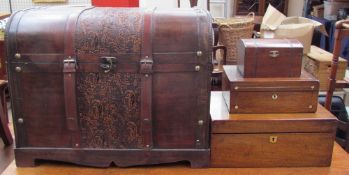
<point x="274" y="116"/>
<point x="318" y="63"/>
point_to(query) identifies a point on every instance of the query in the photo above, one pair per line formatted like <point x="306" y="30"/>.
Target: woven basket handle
<point x="250" y="14"/>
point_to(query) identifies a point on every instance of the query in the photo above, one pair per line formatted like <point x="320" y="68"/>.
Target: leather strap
<point x="69" y="78"/>
<point x="146" y="70"/>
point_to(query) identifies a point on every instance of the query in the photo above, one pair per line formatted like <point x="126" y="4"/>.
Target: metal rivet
<point x="236" y="87"/>
<point x="77" y="145"/>
<point x="199" y="53"/>
<point x="18" y="69"/>
<point x="236" y="107"/>
<point x="274" y="96"/>
<point x="146" y="75"/>
<point x="312" y="87"/>
<point x="310" y="106"/>
<point x="197" y="68"/>
<point x="200" y="122"/>
<point x="197" y="140"/>
<point x="20" y="120"/>
<point x="18" y="56"/>
<point x="147" y="146"/>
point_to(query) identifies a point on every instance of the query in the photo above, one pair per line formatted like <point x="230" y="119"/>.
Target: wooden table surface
<point x="340" y="165"/>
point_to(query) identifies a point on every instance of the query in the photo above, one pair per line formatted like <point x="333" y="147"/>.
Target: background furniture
<point x="2" y="51"/>
<point x="5" y="133"/>
<point x="113" y="3"/>
<point x="328" y="42"/>
<point x="342" y="30"/>
<point x="194" y="3"/>
<point x="243" y="7"/>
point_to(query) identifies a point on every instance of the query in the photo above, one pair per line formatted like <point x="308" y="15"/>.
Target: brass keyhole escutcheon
<point x="273" y="139"/>
<point x="274" y="96"/>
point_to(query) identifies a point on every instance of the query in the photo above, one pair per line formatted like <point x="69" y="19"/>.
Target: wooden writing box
<point x="318" y="63"/>
<point x="269" y="57"/>
<point x="270" y="140"/>
<point x="269" y="95"/>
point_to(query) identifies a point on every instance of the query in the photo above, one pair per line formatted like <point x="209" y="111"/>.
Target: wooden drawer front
<point x="256" y="150"/>
<point x="273" y="102"/>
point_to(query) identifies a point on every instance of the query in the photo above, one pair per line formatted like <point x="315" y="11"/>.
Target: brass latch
<point x="107" y="63"/>
<point x="273" y="139"/>
<point x="146" y="65"/>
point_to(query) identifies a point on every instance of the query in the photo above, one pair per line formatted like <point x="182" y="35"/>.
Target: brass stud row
<point x="18" y="56"/>
<point x="199" y="54"/>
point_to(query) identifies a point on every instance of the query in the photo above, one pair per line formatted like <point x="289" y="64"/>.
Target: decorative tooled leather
<point x="109" y="31"/>
<point x="109" y="110"/>
<point x="109" y="103"/>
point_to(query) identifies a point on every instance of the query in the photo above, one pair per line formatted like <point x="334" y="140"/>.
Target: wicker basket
<point x="233" y="29"/>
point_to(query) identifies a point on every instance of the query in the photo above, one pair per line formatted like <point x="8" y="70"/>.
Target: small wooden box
<point x="269" y="58"/>
<point x="269" y="95"/>
<point x="270" y="140"/>
<point x="318" y="63"/>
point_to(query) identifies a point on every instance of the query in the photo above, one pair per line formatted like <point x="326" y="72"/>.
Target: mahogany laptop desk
<point x="340" y="164"/>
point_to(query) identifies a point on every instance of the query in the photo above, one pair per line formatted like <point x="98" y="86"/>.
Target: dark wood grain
<point x="254" y="58"/>
<point x="269" y="95"/>
<point x="243" y="140"/>
<point x="148" y="113"/>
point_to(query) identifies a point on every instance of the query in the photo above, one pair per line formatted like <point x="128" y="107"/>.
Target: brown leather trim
<point x="146" y="66"/>
<point x="69" y="78"/>
<point x="51" y="67"/>
<point x="14" y="83"/>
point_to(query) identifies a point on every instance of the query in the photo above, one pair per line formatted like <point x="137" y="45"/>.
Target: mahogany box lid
<point x="322" y="121"/>
<point x="305" y="82"/>
<point x="269" y="57"/>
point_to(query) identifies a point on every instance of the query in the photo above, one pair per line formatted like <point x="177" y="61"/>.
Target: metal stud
<point x="236" y="87"/>
<point x="76" y="145"/>
<point x="18" y="69"/>
<point x="200" y="122"/>
<point x="20" y="120"/>
<point x="148" y="146"/>
<point x="197" y="68"/>
<point x="312" y="87"/>
<point x="199" y="53"/>
<point x="310" y="106"/>
<point x="18" y="56"/>
<point x="197" y="141"/>
<point x="146" y="75"/>
<point x="236" y="107"/>
<point x="274" y="96"/>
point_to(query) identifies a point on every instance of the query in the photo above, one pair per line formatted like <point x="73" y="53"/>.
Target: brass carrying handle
<point x="107" y="63"/>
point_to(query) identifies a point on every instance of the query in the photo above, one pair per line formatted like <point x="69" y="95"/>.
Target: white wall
<point x="23" y="4"/>
<point x="168" y="4"/>
<point x="295" y="7"/>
